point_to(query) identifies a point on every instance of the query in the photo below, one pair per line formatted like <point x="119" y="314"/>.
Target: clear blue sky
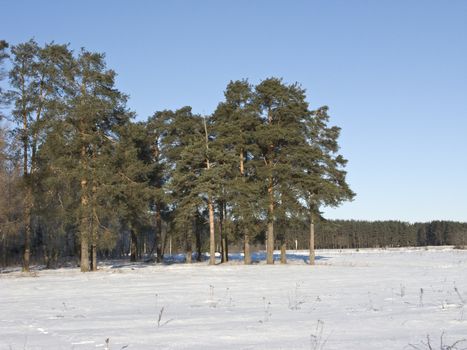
<point x="394" y="74"/>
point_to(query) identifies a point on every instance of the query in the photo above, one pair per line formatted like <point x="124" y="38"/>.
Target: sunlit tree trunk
<point x="312" y="240"/>
<point x="283" y="253"/>
<point x="212" y="243"/>
<point x="247" y="248"/>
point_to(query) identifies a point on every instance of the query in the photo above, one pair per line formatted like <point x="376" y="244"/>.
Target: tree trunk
<point x="134" y="245"/>
<point x="189" y="249"/>
<point x="94" y="246"/>
<point x="93" y="256"/>
<point x="270" y="233"/>
<point x="223" y="233"/>
<point x="158" y="235"/>
<point x="312" y="240"/>
<point x="27" y="228"/>
<point x="212" y="239"/>
<point x="226" y="238"/>
<point x="246" y="233"/>
<point x="198" y="243"/>
<point x="164" y="241"/>
<point x="84" y="262"/>
<point x="28" y="199"/>
<point x="225" y="249"/>
<point x="4" y="250"/>
<point x="46" y="256"/>
<point x="84" y="225"/>
<point x="283" y="253"/>
<point x="94" y="229"/>
<point x="246" y="248"/>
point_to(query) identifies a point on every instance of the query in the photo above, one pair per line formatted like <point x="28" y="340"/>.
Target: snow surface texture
<point x="370" y="299"/>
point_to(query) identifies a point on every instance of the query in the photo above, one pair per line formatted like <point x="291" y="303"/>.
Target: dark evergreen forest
<point x="81" y="180"/>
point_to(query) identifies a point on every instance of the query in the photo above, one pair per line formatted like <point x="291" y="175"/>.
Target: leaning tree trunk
<point x="312" y="240"/>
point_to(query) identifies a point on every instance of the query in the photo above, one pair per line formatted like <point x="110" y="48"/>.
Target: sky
<point x="393" y="73"/>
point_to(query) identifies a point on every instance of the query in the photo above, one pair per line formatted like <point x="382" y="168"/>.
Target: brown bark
<point x="283" y="253"/>
<point x="312" y="240"/>
<point x="247" y="248"/>
<point x="212" y="243"/>
<point x="93" y="256"/>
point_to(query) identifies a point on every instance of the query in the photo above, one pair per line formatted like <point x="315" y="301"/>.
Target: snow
<point x="365" y="299"/>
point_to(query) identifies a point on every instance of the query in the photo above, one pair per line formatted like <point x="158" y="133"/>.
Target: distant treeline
<point x="362" y="234"/>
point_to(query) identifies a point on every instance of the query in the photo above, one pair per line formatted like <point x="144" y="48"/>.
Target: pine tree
<point x="95" y="108"/>
<point x="35" y="79"/>
<point x="157" y="179"/>
<point x="234" y="124"/>
<point x="184" y="148"/>
<point x="129" y="187"/>
<point x="320" y="177"/>
<point x="282" y="108"/>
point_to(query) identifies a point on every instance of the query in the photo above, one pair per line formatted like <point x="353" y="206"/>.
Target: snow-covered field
<point x="371" y="299"/>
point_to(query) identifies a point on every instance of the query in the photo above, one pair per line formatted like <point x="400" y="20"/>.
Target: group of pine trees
<point x="80" y="177"/>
